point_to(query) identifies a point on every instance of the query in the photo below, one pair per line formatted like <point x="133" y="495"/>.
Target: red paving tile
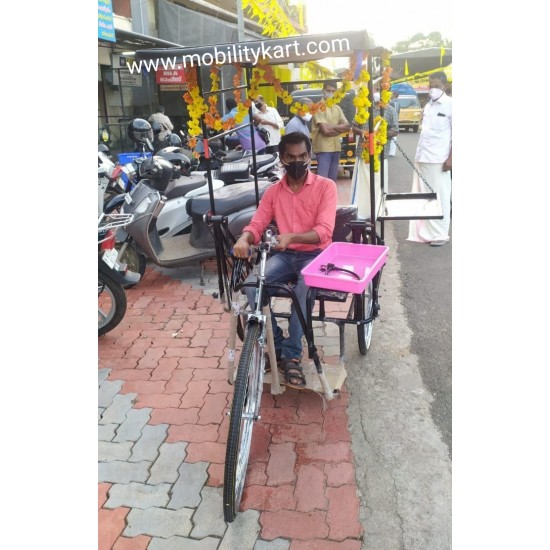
<point x="310" y="488"/>
<point x="205" y="452"/>
<point x="110" y="525"/>
<point x="215" y="475"/>
<point x="135" y="543"/>
<point x="342" y="473"/>
<point x="293" y="525"/>
<point x="179" y="380"/>
<point x="102" y="489"/>
<point x="280" y="468"/>
<point x="157" y="400"/>
<point x="192" y="433"/>
<point x="343" y="512"/>
<point x="299" y="433"/>
<point x="329" y="452"/>
<point x="193" y="396"/>
<point x="174" y="416"/>
<point x="143" y="386"/>
<point x="213" y="409"/>
<point x="318" y="544"/>
<point x="261" y="438"/>
<point x="273" y="499"/>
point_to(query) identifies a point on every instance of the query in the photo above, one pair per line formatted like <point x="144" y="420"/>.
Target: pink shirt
<point x="312" y="208"/>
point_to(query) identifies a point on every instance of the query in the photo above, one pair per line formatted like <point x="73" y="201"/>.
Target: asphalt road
<point x="426" y="274"/>
<point x="400" y="392"/>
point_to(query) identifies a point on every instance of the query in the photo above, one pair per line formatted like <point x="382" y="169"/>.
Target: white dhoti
<point x="425" y="231"/>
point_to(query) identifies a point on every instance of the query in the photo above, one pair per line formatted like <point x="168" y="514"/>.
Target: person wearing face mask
<point x="270" y="119"/>
<point x="326" y="129"/>
<point x="299" y="123"/>
<point x="434" y="160"/>
<point x="303" y="206"/>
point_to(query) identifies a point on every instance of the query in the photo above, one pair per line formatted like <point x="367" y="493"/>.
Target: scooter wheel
<point x="111" y="303"/>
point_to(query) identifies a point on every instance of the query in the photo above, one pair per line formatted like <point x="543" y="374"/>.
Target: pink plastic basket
<point x="365" y="260"/>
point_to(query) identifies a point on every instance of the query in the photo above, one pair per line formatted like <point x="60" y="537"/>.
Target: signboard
<point x="105" y="23"/>
<point x="128" y="79"/>
<point x="172" y="76"/>
<point x="122" y="77"/>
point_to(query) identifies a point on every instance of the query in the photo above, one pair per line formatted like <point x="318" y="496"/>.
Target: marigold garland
<point x="195" y="103"/>
<point x="380" y="139"/>
<point x="385" y="94"/>
<point x="197" y="107"/>
<point x="213" y="118"/>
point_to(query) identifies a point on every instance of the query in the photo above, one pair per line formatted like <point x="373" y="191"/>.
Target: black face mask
<point x="296" y="170"/>
<point x="258" y="105"/>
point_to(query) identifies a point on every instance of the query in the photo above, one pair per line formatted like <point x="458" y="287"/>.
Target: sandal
<point x="438" y="242"/>
<point x="294" y="373"/>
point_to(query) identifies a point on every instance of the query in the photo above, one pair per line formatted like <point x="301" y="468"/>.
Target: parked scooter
<point x="112" y="275"/>
<point x="148" y="199"/>
<point x="185" y="183"/>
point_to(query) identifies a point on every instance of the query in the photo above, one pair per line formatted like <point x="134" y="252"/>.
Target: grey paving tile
<point x="187" y="489"/>
<point x="208" y="519"/>
<point x="107" y="392"/>
<point x="100" y="411"/>
<point x="138" y="495"/>
<point x="158" y="522"/>
<point x="243" y="532"/>
<point x="276" y="544"/>
<point x="106" y="432"/>
<point x="165" y="467"/>
<point x="115" y="413"/>
<point x="108" y="451"/>
<point x="182" y="543"/>
<point x="102" y="375"/>
<point x="130" y="429"/>
<point x="123" y="472"/>
<point x="147" y="446"/>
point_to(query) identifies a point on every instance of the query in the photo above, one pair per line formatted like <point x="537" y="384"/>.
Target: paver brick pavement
<point x="163" y="395"/>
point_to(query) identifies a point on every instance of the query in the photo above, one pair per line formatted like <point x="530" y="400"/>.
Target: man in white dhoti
<point x="434" y="160"/>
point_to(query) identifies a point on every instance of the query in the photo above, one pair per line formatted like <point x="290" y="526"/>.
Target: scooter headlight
<point x="142" y="207"/>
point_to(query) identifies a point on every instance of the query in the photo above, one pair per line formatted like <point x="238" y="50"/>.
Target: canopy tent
<point x="420" y="61"/>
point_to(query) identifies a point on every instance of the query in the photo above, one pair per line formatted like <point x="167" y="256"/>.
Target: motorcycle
<point x="112" y="275"/>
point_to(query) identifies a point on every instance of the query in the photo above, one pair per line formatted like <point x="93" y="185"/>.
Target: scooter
<point x="112" y="275"/>
<point x="149" y="198"/>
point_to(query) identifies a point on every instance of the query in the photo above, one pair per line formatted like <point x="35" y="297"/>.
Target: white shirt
<point x="436" y="137"/>
<point x="272" y="115"/>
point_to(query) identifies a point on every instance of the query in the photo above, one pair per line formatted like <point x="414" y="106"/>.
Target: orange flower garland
<point x="197" y="107"/>
<point x="213" y="118"/>
<point x="385" y="94"/>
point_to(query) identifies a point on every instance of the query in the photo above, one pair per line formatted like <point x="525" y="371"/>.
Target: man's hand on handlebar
<point x="241" y="248"/>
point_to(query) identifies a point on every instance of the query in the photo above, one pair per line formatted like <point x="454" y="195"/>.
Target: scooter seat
<point x="228" y="199"/>
<point x="183" y="185"/>
<point x="264" y="160"/>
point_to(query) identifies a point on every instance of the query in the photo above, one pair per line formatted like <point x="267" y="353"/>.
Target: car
<point x="347" y="155"/>
<point x="410" y="114"/>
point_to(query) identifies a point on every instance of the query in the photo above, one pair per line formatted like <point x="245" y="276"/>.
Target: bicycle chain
<point x="414" y="167"/>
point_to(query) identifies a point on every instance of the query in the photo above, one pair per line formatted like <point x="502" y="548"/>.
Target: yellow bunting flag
<point x="406" y="68"/>
<point x="441" y="56"/>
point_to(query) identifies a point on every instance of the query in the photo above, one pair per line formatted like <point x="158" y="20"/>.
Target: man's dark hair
<point x="333" y="83"/>
<point x="160" y="109"/>
<point x="230" y="103"/>
<point x="294" y="138"/>
<point x="439" y="75"/>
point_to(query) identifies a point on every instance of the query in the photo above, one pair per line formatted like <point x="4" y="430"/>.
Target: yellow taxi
<point x="410" y="114"/>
